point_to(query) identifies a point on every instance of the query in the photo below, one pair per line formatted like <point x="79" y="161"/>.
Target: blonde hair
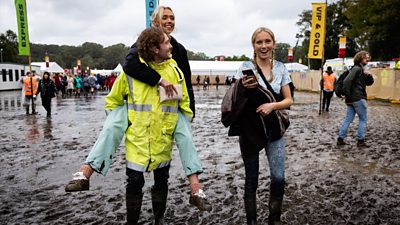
<point x="156" y="17"/>
<point x="272" y="55"/>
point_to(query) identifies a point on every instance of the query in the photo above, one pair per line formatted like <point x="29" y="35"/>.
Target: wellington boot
<point x="159" y="204"/>
<point x="133" y="208"/>
<point x="250" y="205"/>
<point x="275" y="210"/>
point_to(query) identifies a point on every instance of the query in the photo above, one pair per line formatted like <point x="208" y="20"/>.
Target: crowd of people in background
<point x="61" y="85"/>
<point x="81" y="84"/>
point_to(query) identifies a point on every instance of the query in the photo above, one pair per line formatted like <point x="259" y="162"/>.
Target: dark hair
<point x="149" y="38"/>
<point x="360" y="56"/>
<point x="46" y="73"/>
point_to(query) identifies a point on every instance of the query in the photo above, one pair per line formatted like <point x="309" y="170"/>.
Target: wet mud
<point x="324" y="184"/>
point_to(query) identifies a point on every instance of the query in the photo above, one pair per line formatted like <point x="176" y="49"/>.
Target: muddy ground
<point x="325" y="184"/>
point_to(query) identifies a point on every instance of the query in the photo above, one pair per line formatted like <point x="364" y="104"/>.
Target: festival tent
<point x="209" y="68"/>
<point x="295" y="67"/>
<point x="53" y="67"/>
<point x="118" y="69"/>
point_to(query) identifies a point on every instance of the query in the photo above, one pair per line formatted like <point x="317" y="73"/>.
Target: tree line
<point x="369" y="25"/>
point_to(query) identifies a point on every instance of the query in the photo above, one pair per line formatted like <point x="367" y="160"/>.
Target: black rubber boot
<point x="250" y="204"/>
<point x="275" y="210"/>
<point x="133" y="207"/>
<point x="159" y="203"/>
<point x="27" y="110"/>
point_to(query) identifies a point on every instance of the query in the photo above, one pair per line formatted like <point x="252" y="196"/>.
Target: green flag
<point x="23" y="34"/>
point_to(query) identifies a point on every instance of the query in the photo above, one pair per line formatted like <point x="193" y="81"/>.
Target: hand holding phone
<point x="249" y="78"/>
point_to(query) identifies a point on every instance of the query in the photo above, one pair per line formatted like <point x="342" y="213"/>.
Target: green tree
<point x="281" y="52"/>
<point x="9" y="45"/>
<point x="375" y="25"/>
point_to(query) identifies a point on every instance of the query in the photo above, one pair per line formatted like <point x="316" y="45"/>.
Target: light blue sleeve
<point x="244" y="66"/>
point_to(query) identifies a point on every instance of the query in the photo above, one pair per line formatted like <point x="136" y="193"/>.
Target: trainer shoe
<point x="199" y="199"/>
<point x="78" y="183"/>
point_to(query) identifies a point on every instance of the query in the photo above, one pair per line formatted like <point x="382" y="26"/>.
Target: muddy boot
<point x="159" y="204"/>
<point x="362" y="144"/>
<point x="250" y="205"/>
<point x="275" y="210"/>
<point x="340" y="142"/>
<point x="133" y="208"/>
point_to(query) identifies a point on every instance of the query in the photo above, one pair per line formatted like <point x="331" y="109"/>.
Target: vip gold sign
<point x="317" y="38"/>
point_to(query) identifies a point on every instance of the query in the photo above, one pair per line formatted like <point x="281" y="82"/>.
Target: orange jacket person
<point x="30" y="87"/>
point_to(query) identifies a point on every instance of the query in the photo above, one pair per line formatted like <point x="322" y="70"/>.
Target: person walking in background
<point x="47" y="91"/>
<point x="110" y="81"/>
<point x="57" y="82"/>
<point x="198" y="80"/>
<point x="86" y="85"/>
<point x="254" y="127"/>
<point x="78" y="85"/>
<point x="354" y="86"/>
<point x="327" y="85"/>
<point x="30" y="86"/>
<point x="206" y="82"/>
<point x="217" y="81"/>
<point x="92" y="80"/>
<point x="70" y="85"/>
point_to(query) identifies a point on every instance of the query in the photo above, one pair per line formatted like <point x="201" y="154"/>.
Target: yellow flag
<point x="317" y="37"/>
<point x="23" y="34"/>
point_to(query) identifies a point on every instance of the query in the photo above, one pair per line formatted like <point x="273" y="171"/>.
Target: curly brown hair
<point x="149" y="38"/>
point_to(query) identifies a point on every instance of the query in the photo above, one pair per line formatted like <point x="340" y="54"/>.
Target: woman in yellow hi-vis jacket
<point x="149" y="137"/>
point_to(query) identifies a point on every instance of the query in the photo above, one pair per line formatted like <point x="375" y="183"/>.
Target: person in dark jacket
<point x="354" y="86"/>
<point x="47" y="90"/>
<point x="255" y="133"/>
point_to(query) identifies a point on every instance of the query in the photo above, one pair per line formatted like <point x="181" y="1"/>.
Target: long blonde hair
<point x="272" y="55"/>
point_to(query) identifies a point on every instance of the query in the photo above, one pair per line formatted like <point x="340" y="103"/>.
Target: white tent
<point x="53" y="67"/>
<point x="225" y="68"/>
<point x="293" y="67"/>
<point x="118" y="69"/>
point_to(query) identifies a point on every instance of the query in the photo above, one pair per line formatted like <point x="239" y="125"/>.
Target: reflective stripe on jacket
<point x="149" y="137"/>
<point x="329" y="81"/>
<point x="29" y="83"/>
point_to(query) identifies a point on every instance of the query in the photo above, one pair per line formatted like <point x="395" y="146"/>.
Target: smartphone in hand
<point x="250" y="75"/>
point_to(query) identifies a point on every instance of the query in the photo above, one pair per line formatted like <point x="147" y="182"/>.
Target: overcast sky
<point x="214" y="27"/>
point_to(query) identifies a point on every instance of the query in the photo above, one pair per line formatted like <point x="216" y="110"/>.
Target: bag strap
<point x="269" y="87"/>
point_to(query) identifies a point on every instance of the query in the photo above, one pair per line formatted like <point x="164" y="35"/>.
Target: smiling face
<point x="168" y="21"/>
<point x="263" y="44"/>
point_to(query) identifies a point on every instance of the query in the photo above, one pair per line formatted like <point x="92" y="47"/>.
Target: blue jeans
<point x="359" y="107"/>
<point x="275" y="152"/>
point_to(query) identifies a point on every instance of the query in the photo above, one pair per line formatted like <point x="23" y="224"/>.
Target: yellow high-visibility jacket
<point x="149" y="137"/>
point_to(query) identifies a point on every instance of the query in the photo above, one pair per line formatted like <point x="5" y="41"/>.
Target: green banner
<point x="23" y="34"/>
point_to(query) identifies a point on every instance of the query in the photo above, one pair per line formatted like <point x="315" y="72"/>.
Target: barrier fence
<point x="386" y="83"/>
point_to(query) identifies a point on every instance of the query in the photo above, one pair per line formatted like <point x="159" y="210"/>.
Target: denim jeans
<point x="136" y="180"/>
<point x="275" y="152"/>
<point x="359" y="107"/>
